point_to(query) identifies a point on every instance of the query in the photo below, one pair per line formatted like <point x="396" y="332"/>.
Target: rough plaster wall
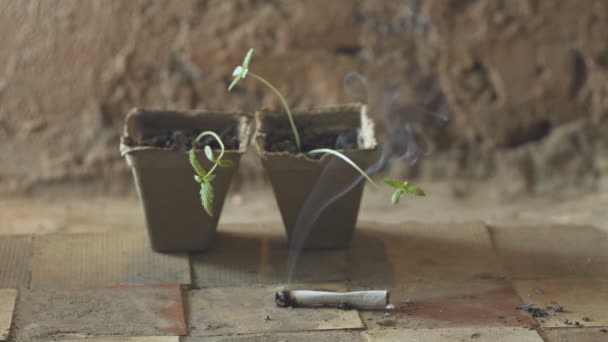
<point x="523" y="83"/>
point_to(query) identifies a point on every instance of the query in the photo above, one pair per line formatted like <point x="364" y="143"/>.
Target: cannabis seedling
<point x="203" y="177"/>
<point x="242" y="71"/>
<point x="400" y="188"/>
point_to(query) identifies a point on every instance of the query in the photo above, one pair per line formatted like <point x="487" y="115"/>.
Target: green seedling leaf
<point x="225" y="163"/>
<point x="402" y="188"/>
<point x="414" y="190"/>
<point x="209" y="178"/>
<point x="397" y="196"/>
<point x="198" y="179"/>
<point x="207" y="197"/>
<point x="241" y="70"/>
<point x="394" y="183"/>
<point x="209" y="153"/>
<point x="195" y="164"/>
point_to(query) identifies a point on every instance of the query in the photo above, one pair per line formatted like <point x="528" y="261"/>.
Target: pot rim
<point x="366" y="130"/>
<point x="245" y="123"/>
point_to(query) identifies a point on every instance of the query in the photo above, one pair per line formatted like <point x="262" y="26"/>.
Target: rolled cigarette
<point x="355" y="300"/>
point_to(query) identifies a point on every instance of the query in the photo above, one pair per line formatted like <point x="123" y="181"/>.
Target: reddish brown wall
<point x="524" y="81"/>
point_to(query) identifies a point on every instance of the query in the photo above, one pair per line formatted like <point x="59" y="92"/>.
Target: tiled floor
<point x="448" y="282"/>
<point x="7" y="305"/>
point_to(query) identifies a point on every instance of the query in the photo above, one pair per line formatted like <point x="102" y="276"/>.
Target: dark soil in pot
<point x="181" y="140"/>
<point x="337" y="140"/>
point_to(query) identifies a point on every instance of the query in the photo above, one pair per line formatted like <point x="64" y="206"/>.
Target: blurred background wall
<point x="515" y="90"/>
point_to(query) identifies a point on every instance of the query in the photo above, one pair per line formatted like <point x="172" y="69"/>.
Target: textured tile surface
<point x="451" y="304"/>
<point x="15" y="261"/>
<point x="239" y="259"/>
<point x="7" y="305"/>
<point x="226" y="311"/>
<point x="324" y="336"/>
<point x="398" y="254"/>
<point x="574" y="335"/>
<point x="76" y="260"/>
<point x="538" y="252"/>
<point x="126" y="339"/>
<point x="454" y="335"/>
<point x="126" y="310"/>
<point x="579" y="297"/>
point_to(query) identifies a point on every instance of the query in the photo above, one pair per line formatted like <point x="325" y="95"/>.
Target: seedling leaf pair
<point x="203" y="177"/>
<point x="402" y="188"/>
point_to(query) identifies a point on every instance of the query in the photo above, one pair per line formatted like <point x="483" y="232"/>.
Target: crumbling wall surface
<point x="479" y="87"/>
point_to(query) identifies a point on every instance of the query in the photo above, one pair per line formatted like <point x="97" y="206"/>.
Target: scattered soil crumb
<point x="534" y="311"/>
<point x="387" y="323"/>
<point x="604" y="330"/>
<point x="558" y="308"/>
<point x="476" y="335"/>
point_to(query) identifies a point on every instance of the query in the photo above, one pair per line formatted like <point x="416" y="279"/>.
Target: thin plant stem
<point x="219" y="141"/>
<point x="346" y="159"/>
<point x="291" y="122"/>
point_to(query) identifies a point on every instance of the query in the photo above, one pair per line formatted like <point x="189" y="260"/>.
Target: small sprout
<point x="241" y="71"/>
<point x="203" y="177"/>
<point x="402" y="188"/>
<point x="209" y="153"/>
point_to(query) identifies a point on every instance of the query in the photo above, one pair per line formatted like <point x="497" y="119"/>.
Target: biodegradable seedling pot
<point x="295" y="175"/>
<point x="168" y="194"/>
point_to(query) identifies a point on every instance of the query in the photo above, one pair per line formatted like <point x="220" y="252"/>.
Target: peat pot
<point x="155" y="144"/>
<point x="318" y="198"/>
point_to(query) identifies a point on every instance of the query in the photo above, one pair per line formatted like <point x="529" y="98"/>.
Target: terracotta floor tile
<point x="324" y="336"/>
<point x="574" y="335"/>
<point x="538" y="252"/>
<point x="579" y="297"/>
<point x="450" y="304"/>
<point x="43" y="315"/>
<point x="397" y="254"/>
<point x="480" y="334"/>
<point x="76" y="260"/>
<point x="7" y="305"/>
<point x="239" y="259"/>
<point x="15" y="261"/>
<point x="226" y="311"/>
<point x="126" y="339"/>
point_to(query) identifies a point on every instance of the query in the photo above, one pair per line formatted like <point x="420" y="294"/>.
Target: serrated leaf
<point x="209" y="178"/>
<point x="195" y="164"/>
<point x="225" y="163"/>
<point x="414" y="190"/>
<point x="395" y="183"/>
<point x="397" y="196"/>
<point x="207" y="197"/>
<point x="209" y="153"/>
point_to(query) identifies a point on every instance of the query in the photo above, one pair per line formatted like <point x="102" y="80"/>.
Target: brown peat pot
<point x="168" y="193"/>
<point x="294" y="176"/>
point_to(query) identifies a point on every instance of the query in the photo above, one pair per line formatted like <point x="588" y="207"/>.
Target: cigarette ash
<point x="345" y="306"/>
